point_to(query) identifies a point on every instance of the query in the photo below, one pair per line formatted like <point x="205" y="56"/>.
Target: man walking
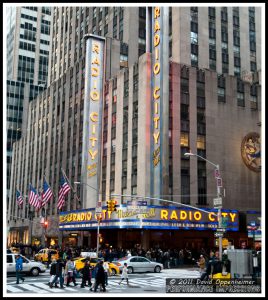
<point x="100" y="277"/>
<point x="19" y="268"/>
<point x="53" y="273"/>
<point x="86" y="275"/>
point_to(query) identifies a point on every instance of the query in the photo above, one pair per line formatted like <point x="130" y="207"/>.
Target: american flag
<point x="19" y="197"/>
<point x="47" y="193"/>
<point x="34" y="198"/>
<point x="64" y="189"/>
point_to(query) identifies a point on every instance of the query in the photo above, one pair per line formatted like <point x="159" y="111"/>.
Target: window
<point x="194" y="38"/>
<point x="184" y="141"/>
<point x="9" y="259"/>
<point x="240" y="99"/>
<point x="253" y="66"/>
<point x="212" y="12"/>
<point x="184" y="112"/>
<point x="221" y="94"/>
<point x="194" y="60"/>
<point x="201" y="142"/>
<point x="194" y="27"/>
<point x="237" y="71"/>
<point x="185" y="189"/>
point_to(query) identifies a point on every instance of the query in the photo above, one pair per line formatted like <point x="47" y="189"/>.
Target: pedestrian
<point x="166" y="259"/>
<point x="19" y="268"/>
<point x="181" y="257"/>
<point x="59" y="275"/>
<point x="86" y="275"/>
<point x="100" y="278"/>
<point x="202" y="264"/>
<point x="53" y="273"/>
<point x="69" y="270"/>
<point x="124" y="274"/>
<point x="106" y="271"/>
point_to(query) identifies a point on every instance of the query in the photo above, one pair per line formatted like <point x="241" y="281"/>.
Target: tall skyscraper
<point x="28" y="42"/>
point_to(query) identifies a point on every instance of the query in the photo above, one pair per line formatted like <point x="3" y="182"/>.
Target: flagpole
<point x="65" y="176"/>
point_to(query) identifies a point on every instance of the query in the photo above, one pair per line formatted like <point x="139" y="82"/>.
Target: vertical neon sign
<point x="159" y="99"/>
<point x="92" y="126"/>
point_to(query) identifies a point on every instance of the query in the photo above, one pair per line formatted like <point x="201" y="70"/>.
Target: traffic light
<point x="113" y="208"/>
<point x="45" y="224"/>
<point x="109" y="205"/>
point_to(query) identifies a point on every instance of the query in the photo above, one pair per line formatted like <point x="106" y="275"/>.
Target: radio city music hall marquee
<point x="151" y="217"/>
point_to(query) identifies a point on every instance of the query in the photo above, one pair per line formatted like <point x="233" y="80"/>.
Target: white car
<point x="28" y="267"/>
<point x="138" y="264"/>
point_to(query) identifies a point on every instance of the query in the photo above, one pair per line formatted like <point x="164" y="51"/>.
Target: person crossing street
<point x="19" y="268"/>
<point x="100" y="277"/>
<point x="124" y="274"/>
<point x="59" y="267"/>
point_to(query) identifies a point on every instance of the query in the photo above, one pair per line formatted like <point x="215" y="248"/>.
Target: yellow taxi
<point x="80" y="262"/>
<point x="42" y="255"/>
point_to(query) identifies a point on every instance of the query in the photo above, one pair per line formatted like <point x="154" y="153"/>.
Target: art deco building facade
<point x="211" y="110"/>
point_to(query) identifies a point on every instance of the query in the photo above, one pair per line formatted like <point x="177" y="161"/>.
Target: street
<point x="138" y="283"/>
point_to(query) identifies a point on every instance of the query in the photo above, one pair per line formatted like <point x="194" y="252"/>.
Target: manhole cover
<point x="133" y="286"/>
<point x="150" y="290"/>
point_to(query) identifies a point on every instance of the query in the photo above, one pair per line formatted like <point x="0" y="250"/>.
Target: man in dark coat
<point x="100" y="277"/>
<point x="53" y="273"/>
<point x="86" y="274"/>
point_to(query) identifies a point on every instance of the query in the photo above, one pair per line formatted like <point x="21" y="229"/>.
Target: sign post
<point x="98" y="212"/>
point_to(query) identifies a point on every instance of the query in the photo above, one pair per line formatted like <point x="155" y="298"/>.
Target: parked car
<point x="42" y="255"/>
<point x="139" y="264"/>
<point x="80" y="262"/>
<point x="29" y="267"/>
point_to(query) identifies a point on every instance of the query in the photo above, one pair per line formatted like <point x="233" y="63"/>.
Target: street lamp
<point x="217" y="169"/>
<point x="97" y="213"/>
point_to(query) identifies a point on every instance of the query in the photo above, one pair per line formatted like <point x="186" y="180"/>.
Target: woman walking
<point x="124" y="274"/>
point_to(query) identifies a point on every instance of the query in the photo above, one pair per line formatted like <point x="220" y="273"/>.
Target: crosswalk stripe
<point x="14" y="289"/>
<point x="45" y="287"/>
<point x="32" y="288"/>
<point x="69" y="289"/>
